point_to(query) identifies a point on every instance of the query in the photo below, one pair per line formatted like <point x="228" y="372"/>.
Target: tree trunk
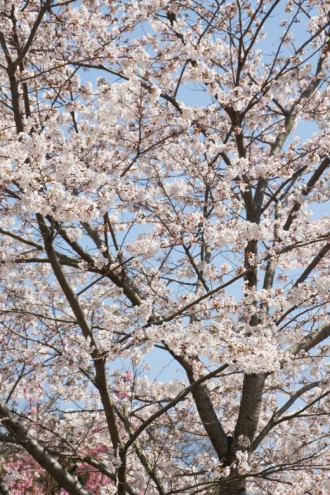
<point x="236" y="487"/>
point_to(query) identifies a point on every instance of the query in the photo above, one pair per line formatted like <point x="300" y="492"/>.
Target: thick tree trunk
<point x="236" y="487"/>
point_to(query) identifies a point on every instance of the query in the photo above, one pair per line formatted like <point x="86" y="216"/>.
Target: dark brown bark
<point x="312" y="340"/>
<point x="121" y="485"/>
<point x="236" y="487"/>
<point x="120" y="280"/>
<point x="40" y="454"/>
<point x="310" y="184"/>
<point x="313" y="264"/>
<point x="15" y="100"/>
<point x="207" y="414"/>
<point x="101" y="380"/>
<point x="210" y="421"/>
<point x="250" y="407"/>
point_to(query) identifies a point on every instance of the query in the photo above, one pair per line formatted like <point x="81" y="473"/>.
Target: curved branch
<point x="310" y="184"/>
<point x="40" y="454"/>
<point x="312" y="340"/>
<point x="313" y="264"/>
<point x="274" y="419"/>
<point x="99" y="360"/>
<point x="171" y="404"/>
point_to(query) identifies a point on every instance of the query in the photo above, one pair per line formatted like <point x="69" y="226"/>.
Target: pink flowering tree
<point x="163" y="175"/>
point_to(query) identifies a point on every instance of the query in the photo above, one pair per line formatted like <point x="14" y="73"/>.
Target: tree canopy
<point x="163" y="176"/>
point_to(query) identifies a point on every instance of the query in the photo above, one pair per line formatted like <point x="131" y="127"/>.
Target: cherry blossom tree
<point x="163" y="180"/>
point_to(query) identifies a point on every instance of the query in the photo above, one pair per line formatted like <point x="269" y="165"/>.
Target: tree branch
<point x="313" y="264"/>
<point x="312" y="340"/>
<point x="310" y="184"/>
<point x="99" y="360"/>
<point x="273" y="421"/>
<point x="40" y="454"/>
<point x="171" y="404"/>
